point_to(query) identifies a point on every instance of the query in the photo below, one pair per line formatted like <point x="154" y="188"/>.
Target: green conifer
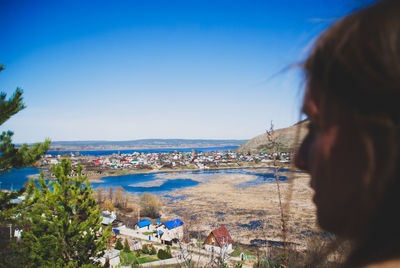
<point x="118" y="244"/>
<point x="145" y="249"/>
<point x="10" y="155"/>
<point x="127" y="248"/>
<point x="13" y="157"/>
<point x="65" y="223"/>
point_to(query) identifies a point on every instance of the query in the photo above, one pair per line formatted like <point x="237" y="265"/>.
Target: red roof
<point x="222" y="235"/>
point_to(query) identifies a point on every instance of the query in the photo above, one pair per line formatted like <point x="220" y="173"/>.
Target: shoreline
<point x="98" y="177"/>
<point x="77" y="149"/>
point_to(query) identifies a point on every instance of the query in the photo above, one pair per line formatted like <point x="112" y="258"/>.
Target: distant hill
<point x="145" y="143"/>
<point x="285" y="136"/>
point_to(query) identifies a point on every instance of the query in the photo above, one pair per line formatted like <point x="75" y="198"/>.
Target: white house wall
<point x="217" y="250"/>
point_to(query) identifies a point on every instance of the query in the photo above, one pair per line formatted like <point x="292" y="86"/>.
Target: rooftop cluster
<point x="172" y="160"/>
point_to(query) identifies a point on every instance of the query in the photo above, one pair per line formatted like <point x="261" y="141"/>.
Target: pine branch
<point x="18" y="158"/>
<point x="11" y="106"/>
<point x="10" y="156"/>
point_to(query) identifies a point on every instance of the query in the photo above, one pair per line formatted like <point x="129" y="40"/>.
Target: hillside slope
<point x="284" y="136"/>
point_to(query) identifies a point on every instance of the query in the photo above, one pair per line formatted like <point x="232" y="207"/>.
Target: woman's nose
<point x="302" y="155"/>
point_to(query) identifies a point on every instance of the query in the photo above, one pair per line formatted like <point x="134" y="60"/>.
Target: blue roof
<point x="173" y="224"/>
<point x="158" y="222"/>
<point x="143" y="223"/>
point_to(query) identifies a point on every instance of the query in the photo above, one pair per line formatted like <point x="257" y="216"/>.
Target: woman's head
<point x="357" y="59"/>
<point x="353" y="101"/>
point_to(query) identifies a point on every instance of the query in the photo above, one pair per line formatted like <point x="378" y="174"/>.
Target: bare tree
<point x="119" y="197"/>
<point x="111" y="194"/>
<point x="107" y="205"/>
<point x="126" y="200"/>
<point x="99" y="195"/>
<point x="150" y="205"/>
<point x="190" y="253"/>
<point x="274" y="145"/>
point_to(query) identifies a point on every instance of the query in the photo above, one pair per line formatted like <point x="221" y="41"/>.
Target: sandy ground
<point x="252" y="215"/>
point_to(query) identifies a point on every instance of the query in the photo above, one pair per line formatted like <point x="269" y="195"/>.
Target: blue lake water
<point x="16" y="178"/>
<point x="110" y="152"/>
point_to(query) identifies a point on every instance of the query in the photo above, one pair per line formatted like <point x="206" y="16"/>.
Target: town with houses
<point x="172" y="160"/>
<point x="170" y="234"/>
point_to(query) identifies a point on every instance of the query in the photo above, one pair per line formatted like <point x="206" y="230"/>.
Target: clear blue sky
<point x="122" y="70"/>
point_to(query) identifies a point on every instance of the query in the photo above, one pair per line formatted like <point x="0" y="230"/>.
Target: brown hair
<point x="356" y="62"/>
<point x="358" y="59"/>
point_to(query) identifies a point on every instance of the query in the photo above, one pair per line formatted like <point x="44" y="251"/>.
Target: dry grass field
<point x="252" y="215"/>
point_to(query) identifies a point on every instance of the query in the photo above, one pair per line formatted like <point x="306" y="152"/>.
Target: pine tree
<point x="145" y="249"/>
<point x="65" y="223"/>
<point x="11" y="156"/>
<point x="118" y="244"/>
<point x="8" y="209"/>
<point x="127" y="248"/>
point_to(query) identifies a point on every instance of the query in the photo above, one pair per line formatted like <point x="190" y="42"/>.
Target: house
<point x="108" y="217"/>
<point x="54" y="162"/>
<point x="219" y="241"/>
<point x="143" y="225"/>
<point x="111" y="256"/>
<point x="170" y="231"/>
